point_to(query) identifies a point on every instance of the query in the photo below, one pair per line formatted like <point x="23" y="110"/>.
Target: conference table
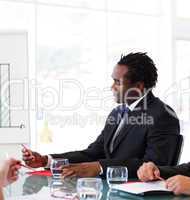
<point x="33" y="184"/>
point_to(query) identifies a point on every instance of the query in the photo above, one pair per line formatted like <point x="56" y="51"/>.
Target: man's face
<point x="123" y="90"/>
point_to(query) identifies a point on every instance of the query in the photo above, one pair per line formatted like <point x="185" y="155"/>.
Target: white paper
<point x="141" y="187"/>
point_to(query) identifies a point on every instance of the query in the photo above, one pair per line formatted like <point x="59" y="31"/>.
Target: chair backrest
<point x="179" y="150"/>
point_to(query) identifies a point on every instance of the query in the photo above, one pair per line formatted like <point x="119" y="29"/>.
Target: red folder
<point x="40" y="173"/>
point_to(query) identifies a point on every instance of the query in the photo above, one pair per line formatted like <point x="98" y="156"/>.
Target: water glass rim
<point x="60" y="159"/>
<point x="65" y="161"/>
<point x="110" y="167"/>
<point x="89" y="179"/>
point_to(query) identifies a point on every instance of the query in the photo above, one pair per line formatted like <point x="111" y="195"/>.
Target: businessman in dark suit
<point x="142" y="128"/>
<point x="178" y="177"/>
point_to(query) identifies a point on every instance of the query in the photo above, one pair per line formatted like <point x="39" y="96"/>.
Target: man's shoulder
<point x="160" y="106"/>
<point x="159" y="110"/>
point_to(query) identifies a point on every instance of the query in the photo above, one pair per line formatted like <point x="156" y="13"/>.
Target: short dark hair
<point x="140" y="68"/>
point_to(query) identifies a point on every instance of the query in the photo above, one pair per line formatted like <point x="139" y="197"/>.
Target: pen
<point x="160" y="178"/>
<point x="26" y="148"/>
<point x="24" y="166"/>
<point x="30" y="168"/>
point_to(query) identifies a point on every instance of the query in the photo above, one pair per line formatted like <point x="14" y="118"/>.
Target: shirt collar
<point x="134" y="104"/>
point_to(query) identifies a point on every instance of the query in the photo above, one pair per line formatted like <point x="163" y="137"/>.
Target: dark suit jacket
<point x="168" y="171"/>
<point x="136" y="142"/>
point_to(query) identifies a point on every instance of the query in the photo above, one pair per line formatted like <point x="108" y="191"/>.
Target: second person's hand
<point x="148" y="172"/>
<point x="179" y="184"/>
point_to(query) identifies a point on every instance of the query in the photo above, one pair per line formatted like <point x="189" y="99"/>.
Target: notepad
<point x="141" y="188"/>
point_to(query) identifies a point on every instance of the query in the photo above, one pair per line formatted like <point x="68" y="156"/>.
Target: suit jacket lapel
<point x="127" y="126"/>
<point x="123" y="132"/>
<point x="112" y="128"/>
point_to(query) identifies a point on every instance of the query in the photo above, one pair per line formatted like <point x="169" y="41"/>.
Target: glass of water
<point x="56" y="167"/>
<point x="116" y="175"/>
<point x="89" y="188"/>
<point x="65" y="188"/>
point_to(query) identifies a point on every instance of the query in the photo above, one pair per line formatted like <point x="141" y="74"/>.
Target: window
<point x="182" y="8"/>
<point x="182" y="72"/>
<point x="98" y="4"/>
<point x="71" y="61"/>
<point x="142" y="7"/>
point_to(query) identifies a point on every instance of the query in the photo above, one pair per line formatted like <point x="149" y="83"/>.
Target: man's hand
<point x="179" y="184"/>
<point x="148" y="172"/>
<point x="9" y="171"/>
<point x="87" y="169"/>
<point x="34" y="159"/>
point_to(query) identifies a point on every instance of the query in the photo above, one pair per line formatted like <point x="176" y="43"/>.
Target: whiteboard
<point x="14" y="87"/>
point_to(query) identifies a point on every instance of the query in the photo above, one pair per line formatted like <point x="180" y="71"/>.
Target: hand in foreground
<point x="87" y="169"/>
<point x="34" y="159"/>
<point x="9" y="171"/>
<point x="179" y="184"/>
<point x="148" y="172"/>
